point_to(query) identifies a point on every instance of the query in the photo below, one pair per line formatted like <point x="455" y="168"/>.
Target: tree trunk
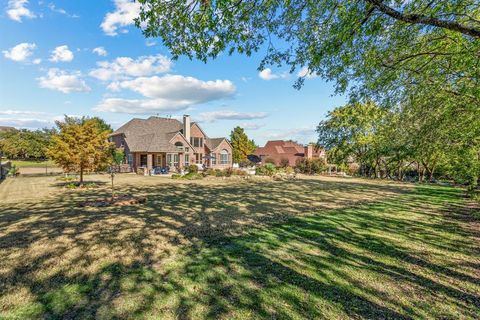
<point x="81" y="175"/>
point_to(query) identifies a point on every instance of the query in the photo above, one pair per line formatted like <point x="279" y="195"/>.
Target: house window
<point x="143" y="160"/>
<point x="214" y="158"/>
<point x="172" y="159"/>
<point x="159" y="162"/>
<point x="196" y="142"/>
<point x="198" y="158"/>
<point x="224" y="157"/>
<point x="130" y="159"/>
<point x="187" y="160"/>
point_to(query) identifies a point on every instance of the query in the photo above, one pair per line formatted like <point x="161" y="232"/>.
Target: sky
<point x="86" y="58"/>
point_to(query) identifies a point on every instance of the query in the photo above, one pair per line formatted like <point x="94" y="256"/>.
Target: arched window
<point x="224" y="156"/>
<point x="179" y="146"/>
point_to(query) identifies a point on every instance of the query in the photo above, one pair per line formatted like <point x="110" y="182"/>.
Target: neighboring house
<point x="280" y="150"/>
<point x="5" y="128"/>
<point x="164" y="142"/>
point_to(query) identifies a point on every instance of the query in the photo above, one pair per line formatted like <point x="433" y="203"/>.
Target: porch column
<point x="181" y="160"/>
<point x="149" y="161"/>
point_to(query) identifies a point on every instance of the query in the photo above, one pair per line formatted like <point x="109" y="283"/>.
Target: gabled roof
<point x="213" y="143"/>
<point x="281" y="147"/>
<point x="154" y="135"/>
<point x="150" y="135"/>
<point x="5" y="128"/>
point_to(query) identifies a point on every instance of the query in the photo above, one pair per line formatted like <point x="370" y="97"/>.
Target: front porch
<point x="160" y="162"/>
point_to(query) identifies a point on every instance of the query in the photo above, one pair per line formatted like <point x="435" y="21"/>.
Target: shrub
<point x="228" y="172"/>
<point x="239" y="172"/>
<point x="289" y="170"/>
<point x="267" y="170"/>
<point x="209" y="172"/>
<point x="219" y="173"/>
<point x="284" y="163"/>
<point x="192" y="168"/>
<point x="311" y="166"/>
<point x="13" y="172"/>
<point x="269" y="160"/>
<point x="176" y="176"/>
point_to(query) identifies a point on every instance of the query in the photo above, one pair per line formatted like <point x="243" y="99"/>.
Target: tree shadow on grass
<point x="301" y="249"/>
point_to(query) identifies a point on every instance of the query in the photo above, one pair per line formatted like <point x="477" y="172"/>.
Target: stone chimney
<point x="186" y="127"/>
<point x="309" y="151"/>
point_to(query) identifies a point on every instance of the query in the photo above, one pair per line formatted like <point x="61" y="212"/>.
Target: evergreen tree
<point x="242" y="146"/>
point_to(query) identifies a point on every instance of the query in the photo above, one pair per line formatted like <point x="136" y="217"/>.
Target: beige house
<point x="160" y="143"/>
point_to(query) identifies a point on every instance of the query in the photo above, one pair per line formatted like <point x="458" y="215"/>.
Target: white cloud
<point x="306" y="73"/>
<point x="230" y="115"/>
<point x="267" y="74"/>
<point x="61" y="53"/>
<point x="125" y="12"/>
<point x="168" y="93"/>
<point x="252" y="126"/>
<point x="22" y="113"/>
<point x="150" y="43"/>
<point x="63" y="81"/>
<point x="37" y="61"/>
<point x="25" y="123"/>
<point x="20" y="52"/>
<point x="125" y="67"/>
<point x="177" y="87"/>
<point x="16" y="9"/>
<point x="142" y="106"/>
<point x="53" y="8"/>
<point x="100" y="51"/>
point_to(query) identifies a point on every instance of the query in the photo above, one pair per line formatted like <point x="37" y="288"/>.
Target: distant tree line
<point x="25" y="144"/>
<point x="402" y="143"/>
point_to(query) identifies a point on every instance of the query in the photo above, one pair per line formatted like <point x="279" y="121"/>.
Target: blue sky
<point x="80" y="57"/>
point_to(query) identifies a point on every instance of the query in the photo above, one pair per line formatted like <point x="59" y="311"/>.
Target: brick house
<point x="163" y="142"/>
<point x="280" y="150"/>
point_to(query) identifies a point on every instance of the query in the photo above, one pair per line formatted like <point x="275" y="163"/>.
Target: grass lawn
<point x="31" y="163"/>
<point x="315" y="248"/>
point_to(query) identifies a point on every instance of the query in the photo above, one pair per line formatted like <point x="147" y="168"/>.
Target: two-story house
<point x="164" y="142"/>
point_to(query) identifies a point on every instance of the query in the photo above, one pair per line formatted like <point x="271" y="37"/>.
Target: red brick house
<point x="163" y="142"/>
<point x="280" y="151"/>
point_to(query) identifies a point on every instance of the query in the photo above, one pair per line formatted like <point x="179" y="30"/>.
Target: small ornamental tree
<point x="80" y="146"/>
<point x="242" y="146"/>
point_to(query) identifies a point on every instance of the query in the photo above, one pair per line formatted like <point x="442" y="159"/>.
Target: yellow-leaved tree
<point x="80" y="145"/>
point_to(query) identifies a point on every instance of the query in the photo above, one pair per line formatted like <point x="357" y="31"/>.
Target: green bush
<point x="267" y="170"/>
<point x="13" y="172"/>
<point x="176" y="176"/>
<point x="311" y="166"/>
<point x="209" y="172"/>
<point x="219" y="173"/>
<point x="192" y="168"/>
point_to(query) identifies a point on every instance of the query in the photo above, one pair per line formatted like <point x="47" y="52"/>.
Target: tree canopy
<point x="389" y="143"/>
<point x="242" y="146"/>
<point x="372" y="48"/>
<point x="25" y="144"/>
<point x="81" y="145"/>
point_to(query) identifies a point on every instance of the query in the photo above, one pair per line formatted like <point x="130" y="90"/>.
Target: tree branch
<point x="422" y="19"/>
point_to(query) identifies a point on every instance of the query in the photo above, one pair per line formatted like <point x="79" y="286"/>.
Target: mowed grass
<point x="32" y="163"/>
<point x="314" y="248"/>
